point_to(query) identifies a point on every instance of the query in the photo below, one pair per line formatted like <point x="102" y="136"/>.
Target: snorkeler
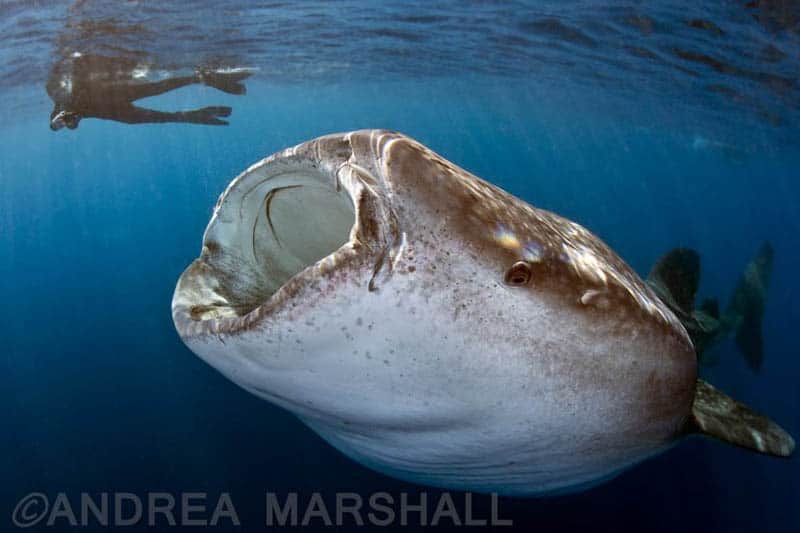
<point x="675" y="278"/>
<point x="91" y="86"/>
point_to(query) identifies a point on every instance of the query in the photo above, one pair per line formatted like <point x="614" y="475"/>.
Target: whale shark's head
<point x="430" y="324"/>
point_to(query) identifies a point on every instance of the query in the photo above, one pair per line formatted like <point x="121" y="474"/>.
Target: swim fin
<point x="716" y="414"/>
<point x="208" y="115"/>
<point x="227" y="82"/>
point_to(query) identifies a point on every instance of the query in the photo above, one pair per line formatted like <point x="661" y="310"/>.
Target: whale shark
<point x="437" y="329"/>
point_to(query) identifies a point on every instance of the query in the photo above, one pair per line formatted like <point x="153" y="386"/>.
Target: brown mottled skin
<point x="472" y="209"/>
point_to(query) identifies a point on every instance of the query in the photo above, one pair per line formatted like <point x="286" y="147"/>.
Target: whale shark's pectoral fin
<point x="716" y="414"/>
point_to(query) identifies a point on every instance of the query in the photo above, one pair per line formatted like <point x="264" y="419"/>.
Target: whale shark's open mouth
<point x="273" y="222"/>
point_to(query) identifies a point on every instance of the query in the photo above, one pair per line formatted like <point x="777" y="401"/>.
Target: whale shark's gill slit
<point x="372" y="286"/>
<point x="386" y="260"/>
<point x="270" y="226"/>
<point x="266" y="210"/>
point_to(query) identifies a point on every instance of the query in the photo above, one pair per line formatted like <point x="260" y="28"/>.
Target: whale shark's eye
<point x="519" y="274"/>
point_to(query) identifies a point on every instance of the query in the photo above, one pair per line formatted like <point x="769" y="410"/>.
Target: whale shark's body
<point x="440" y="330"/>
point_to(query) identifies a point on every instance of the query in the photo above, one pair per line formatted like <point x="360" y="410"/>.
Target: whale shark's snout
<point x="440" y="330"/>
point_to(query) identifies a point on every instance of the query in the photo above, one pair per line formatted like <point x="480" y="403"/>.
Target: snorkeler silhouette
<point x="93" y="86"/>
<point x="675" y="278"/>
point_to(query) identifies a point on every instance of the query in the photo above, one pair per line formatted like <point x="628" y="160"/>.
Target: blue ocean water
<point x="655" y="126"/>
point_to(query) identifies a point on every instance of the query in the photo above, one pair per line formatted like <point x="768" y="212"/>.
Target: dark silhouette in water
<point x="675" y="278"/>
<point x="776" y="15"/>
<point x="93" y="86"/>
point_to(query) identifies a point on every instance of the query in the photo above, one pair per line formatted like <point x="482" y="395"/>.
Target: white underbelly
<point x="420" y="392"/>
